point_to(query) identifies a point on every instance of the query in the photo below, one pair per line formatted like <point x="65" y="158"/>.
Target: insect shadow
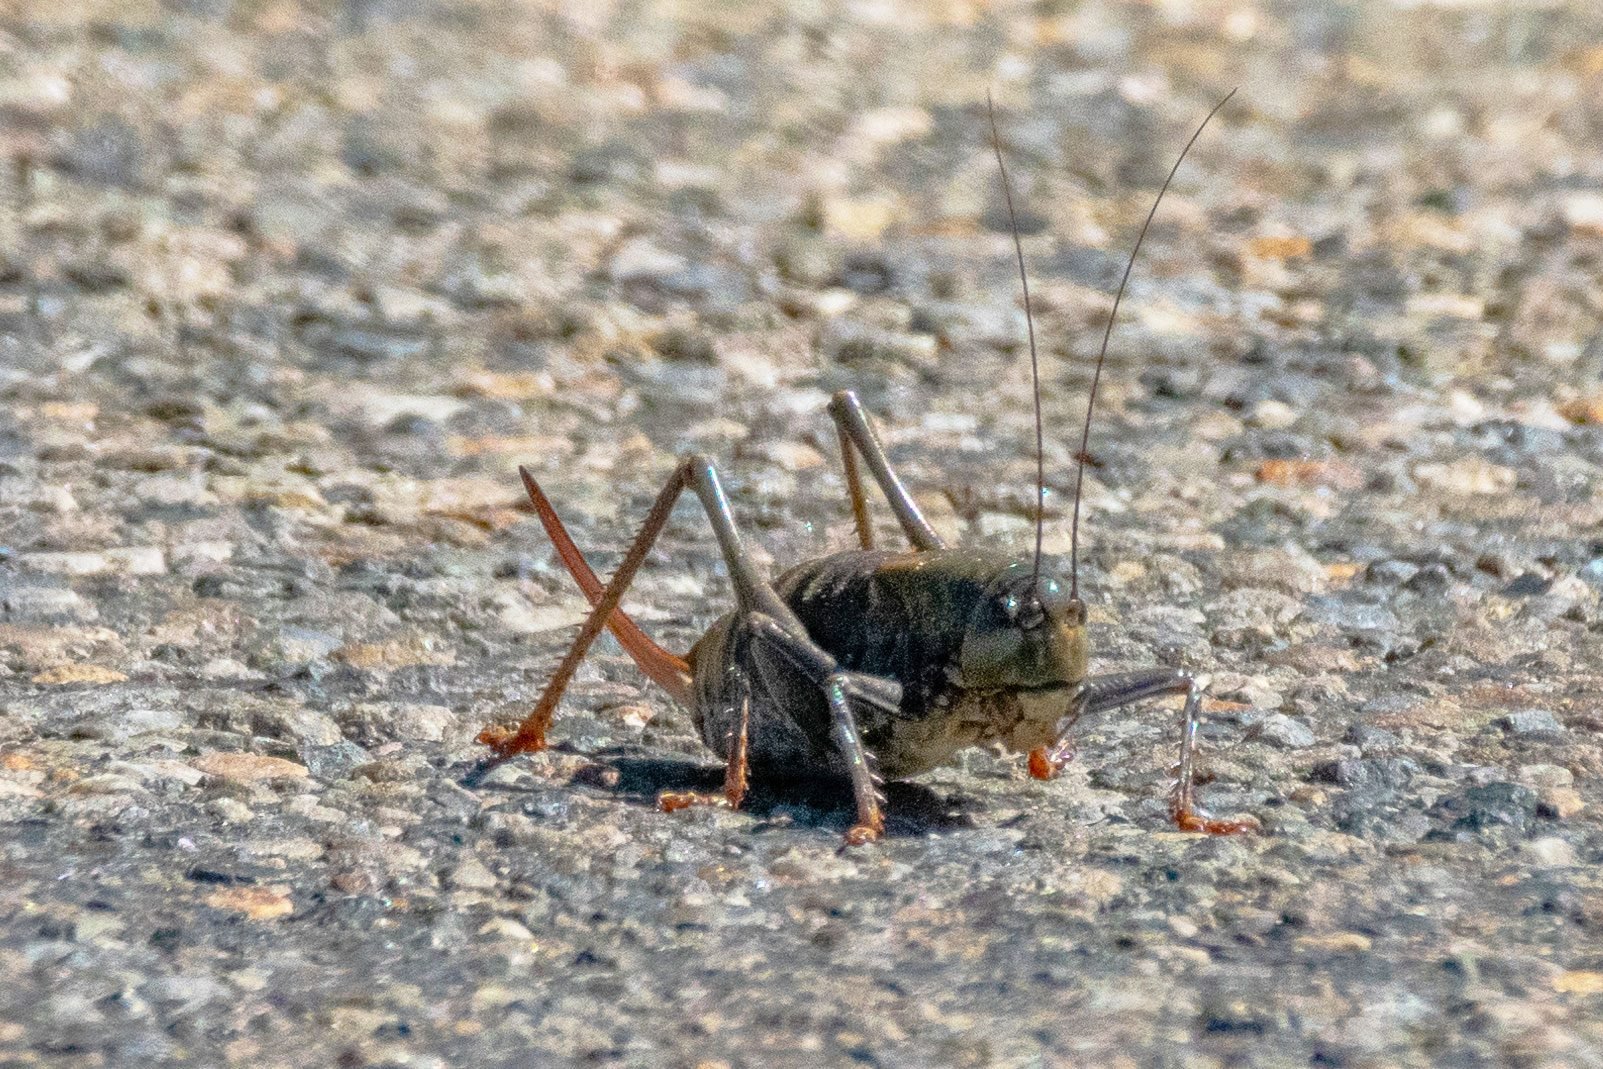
<point x="912" y="810"/>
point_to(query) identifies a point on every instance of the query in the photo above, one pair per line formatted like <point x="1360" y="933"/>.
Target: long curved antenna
<point x="1102" y="356"/>
<point x="1035" y="361"/>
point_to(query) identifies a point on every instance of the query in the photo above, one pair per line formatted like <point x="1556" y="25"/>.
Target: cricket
<point x="877" y="663"/>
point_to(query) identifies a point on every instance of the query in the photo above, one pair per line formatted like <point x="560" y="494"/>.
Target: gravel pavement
<point x="288" y="289"/>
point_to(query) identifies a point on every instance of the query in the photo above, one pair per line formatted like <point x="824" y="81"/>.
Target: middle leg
<point x="786" y="674"/>
<point x="781" y="661"/>
<point x="736" y="767"/>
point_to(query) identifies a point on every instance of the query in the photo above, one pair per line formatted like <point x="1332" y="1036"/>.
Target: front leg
<point x="1108" y="692"/>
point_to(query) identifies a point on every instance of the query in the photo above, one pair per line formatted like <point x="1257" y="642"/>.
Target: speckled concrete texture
<point x="288" y="289"/>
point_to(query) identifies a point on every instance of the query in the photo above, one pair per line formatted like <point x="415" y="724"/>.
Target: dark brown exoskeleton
<point x="875" y="662"/>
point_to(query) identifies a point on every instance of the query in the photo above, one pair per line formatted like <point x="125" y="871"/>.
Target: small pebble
<point x="1549" y="852"/>
<point x="1277" y="729"/>
<point x="248" y="768"/>
<point x="230" y="811"/>
<point x="471" y="875"/>
<point x="1532" y="723"/>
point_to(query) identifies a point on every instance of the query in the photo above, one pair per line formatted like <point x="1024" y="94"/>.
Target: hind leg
<point x="529" y="736"/>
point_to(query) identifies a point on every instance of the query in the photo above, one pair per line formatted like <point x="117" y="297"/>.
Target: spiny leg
<point x="773" y="642"/>
<point x="870" y="826"/>
<point x="735" y="772"/>
<point x="668" y="671"/>
<point x="1108" y="692"/>
<point x="529" y="737"/>
<point x="857" y="437"/>
<point x="769" y="626"/>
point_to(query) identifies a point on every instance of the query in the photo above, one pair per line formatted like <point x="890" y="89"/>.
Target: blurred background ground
<point x="288" y="289"/>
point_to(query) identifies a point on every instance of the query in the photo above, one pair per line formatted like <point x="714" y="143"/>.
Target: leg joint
<point x="844" y="401"/>
<point x="698" y="465"/>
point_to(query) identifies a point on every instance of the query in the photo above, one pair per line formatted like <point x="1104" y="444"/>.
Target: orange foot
<point x="506" y="741"/>
<point x="495" y="735"/>
<point x="1193" y="820"/>
<point x="1047" y="762"/>
<point x="673" y="801"/>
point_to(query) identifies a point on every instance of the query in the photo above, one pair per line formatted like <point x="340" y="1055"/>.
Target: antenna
<point x="1102" y="356"/>
<point x="1035" y="361"/>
